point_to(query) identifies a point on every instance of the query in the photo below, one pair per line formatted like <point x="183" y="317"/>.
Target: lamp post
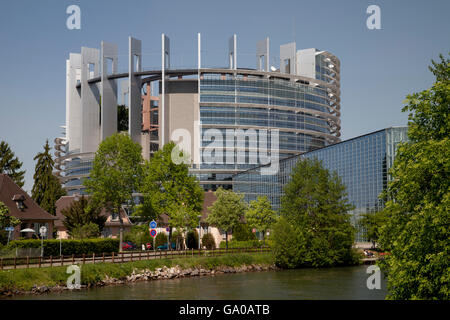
<point x="199" y="230"/>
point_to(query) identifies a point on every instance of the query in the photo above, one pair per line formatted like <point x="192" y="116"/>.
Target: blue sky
<point x="378" y="67"/>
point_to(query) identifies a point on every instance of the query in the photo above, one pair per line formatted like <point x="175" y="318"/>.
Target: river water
<point x="333" y="283"/>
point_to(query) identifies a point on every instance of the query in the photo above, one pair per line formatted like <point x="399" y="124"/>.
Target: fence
<point x="126" y="256"/>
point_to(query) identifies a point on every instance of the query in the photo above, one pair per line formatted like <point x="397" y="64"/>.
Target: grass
<point x="25" y="279"/>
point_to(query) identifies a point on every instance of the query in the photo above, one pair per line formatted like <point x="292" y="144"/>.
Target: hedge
<point x="70" y="246"/>
<point x="245" y="244"/>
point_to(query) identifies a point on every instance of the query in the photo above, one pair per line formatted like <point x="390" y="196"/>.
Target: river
<point x="347" y="283"/>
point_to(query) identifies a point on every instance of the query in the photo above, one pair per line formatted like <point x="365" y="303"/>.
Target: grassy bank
<point x="25" y="279"/>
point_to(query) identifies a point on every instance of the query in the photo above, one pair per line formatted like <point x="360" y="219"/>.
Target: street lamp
<point x="199" y="230"/>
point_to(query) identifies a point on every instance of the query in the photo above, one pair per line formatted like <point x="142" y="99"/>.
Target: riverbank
<point x="44" y="280"/>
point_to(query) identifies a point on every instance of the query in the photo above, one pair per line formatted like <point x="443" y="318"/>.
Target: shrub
<point x="192" y="239"/>
<point x="178" y="238"/>
<point x="208" y="241"/>
<point x="161" y="239"/>
<point x="243" y="232"/>
<point x="139" y="235"/>
<point x="242" y="244"/>
<point x="90" y="230"/>
<point x="69" y="246"/>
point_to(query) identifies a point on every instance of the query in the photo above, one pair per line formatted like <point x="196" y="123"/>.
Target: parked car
<point x="164" y="246"/>
<point x="128" y="246"/>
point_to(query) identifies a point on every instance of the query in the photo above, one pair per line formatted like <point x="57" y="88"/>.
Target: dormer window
<point x="19" y="200"/>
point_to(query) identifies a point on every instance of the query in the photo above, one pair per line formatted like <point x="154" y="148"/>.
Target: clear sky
<point x="378" y="67"/>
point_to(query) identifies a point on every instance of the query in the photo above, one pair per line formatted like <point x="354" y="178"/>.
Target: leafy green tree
<point x="208" y="241"/>
<point x="115" y="175"/>
<point x="315" y="207"/>
<point x="192" y="239"/>
<point x="371" y="224"/>
<point x="47" y="188"/>
<point x="168" y="188"/>
<point x="81" y="213"/>
<point x="6" y="220"/>
<point x="10" y="165"/>
<point x="227" y="211"/>
<point x="122" y="118"/>
<point x="260" y="215"/>
<point x="139" y="235"/>
<point x="418" y="211"/>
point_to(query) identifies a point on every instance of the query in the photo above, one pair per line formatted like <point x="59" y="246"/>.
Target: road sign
<point x="168" y="229"/>
<point x="153" y="225"/>
<point x="9" y="229"/>
<point x="43" y="230"/>
<point x="153" y="233"/>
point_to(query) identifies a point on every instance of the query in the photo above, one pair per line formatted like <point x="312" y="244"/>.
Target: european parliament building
<point x="221" y="115"/>
<point x="362" y="163"/>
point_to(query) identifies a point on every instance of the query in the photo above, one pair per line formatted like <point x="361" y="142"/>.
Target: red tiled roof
<point x="32" y="211"/>
<point x="65" y="201"/>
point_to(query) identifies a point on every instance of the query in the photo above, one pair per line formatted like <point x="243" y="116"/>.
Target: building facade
<point x="228" y="119"/>
<point x="362" y="163"/>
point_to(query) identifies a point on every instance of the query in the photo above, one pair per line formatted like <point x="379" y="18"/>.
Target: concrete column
<point x="73" y="102"/>
<point x="90" y="97"/>
<point x="165" y="62"/>
<point x="134" y="87"/>
<point x="288" y="54"/>
<point x="232" y="52"/>
<point x="108" y="91"/>
<point x="262" y="51"/>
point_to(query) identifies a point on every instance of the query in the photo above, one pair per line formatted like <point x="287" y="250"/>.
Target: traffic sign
<point x="168" y="229"/>
<point x="43" y="230"/>
<point x="9" y="229"/>
<point x="153" y="225"/>
<point x="153" y="233"/>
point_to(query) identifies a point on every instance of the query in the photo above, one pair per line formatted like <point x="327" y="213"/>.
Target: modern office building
<point x="228" y="119"/>
<point x="362" y="163"/>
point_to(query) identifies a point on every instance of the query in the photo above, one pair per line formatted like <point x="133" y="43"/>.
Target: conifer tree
<point x="10" y="165"/>
<point x="46" y="189"/>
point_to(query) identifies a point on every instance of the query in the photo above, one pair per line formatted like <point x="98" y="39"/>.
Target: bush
<point x="69" y="246"/>
<point x="242" y="244"/>
<point x="243" y="232"/>
<point x="178" y="238"/>
<point x="90" y="230"/>
<point x="139" y="235"/>
<point x="208" y="241"/>
<point x="161" y="239"/>
<point x="192" y="239"/>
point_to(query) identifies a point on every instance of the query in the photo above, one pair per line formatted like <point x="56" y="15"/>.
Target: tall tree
<point x="227" y="211"/>
<point x="47" y="188"/>
<point x="372" y="224"/>
<point x="418" y="211"/>
<point x="168" y="188"/>
<point x="80" y="213"/>
<point x="314" y="206"/>
<point x="260" y="215"/>
<point x="115" y="175"/>
<point x="10" y="165"/>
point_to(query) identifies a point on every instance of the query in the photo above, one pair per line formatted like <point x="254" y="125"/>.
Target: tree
<point x="372" y="223"/>
<point x="260" y="215"/>
<point x="46" y="189"/>
<point x="416" y="233"/>
<point x="315" y="226"/>
<point x="168" y="188"/>
<point x="6" y="220"/>
<point x="80" y="213"/>
<point x="115" y="175"/>
<point x="227" y="211"/>
<point x="122" y="118"/>
<point x="10" y="165"/>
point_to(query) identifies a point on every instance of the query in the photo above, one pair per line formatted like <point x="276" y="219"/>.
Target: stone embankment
<point x="163" y="273"/>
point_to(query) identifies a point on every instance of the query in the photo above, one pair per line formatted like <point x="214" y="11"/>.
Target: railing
<point x="125" y="256"/>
